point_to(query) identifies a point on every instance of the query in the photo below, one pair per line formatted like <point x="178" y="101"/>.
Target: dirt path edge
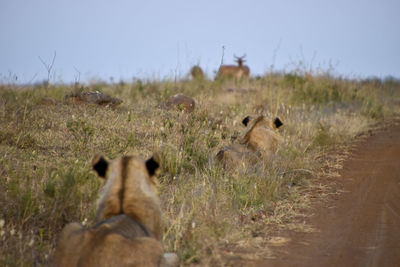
<point x="361" y="227"/>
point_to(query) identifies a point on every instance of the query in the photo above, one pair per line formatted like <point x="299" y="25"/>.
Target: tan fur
<point x="259" y="142"/>
<point x="231" y="71"/>
<point x="141" y="205"/>
<point x="262" y="136"/>
<point x="236" y="155"/>
<point x="125" y="235"/>
<point x="100" y="247"/>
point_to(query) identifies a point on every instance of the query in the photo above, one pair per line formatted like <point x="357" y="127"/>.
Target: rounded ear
<point x="277" y="122"/>
<point x="246" y="121"/>
<point x="152" y="164"/>
<point x="100" y="165"/>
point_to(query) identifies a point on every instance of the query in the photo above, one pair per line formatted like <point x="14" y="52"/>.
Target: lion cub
<point x="261" y="140"/>
<point x="262" y="135"/>
<point x="129" y="229"/>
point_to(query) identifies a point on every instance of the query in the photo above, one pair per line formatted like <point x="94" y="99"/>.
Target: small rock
<point x="93" y="98"/>
<point x="181" y="102"/>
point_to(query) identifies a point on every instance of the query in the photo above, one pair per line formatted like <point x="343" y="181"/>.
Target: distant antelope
<point x="237" y="72"/>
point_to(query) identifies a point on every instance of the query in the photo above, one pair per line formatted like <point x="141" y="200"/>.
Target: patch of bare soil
<point x="361" y="227"/>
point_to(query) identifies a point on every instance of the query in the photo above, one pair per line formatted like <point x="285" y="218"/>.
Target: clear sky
<point x="158" y="39"/>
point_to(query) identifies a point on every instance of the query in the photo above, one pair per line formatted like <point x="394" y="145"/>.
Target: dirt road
<point x="361" y="227"/>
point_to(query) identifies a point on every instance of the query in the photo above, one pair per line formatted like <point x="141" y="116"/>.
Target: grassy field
<point x="46" y="146"/>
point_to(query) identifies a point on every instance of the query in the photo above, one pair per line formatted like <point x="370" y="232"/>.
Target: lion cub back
<point x="129" y="231"/>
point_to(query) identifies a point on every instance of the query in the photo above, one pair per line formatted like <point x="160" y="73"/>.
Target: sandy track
<point x="361" y="227"/>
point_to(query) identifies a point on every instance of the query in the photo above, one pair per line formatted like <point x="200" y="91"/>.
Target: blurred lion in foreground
<point x="129" y="229"/>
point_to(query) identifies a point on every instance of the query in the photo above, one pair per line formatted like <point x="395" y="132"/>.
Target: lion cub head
<point x="262" y="135"/>
<point x="261" y="139"/>
<point x="130" y="189"/>
<point x="128" y="231"/>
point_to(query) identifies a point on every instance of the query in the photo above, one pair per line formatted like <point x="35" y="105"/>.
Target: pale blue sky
<point x="156" y="39"/>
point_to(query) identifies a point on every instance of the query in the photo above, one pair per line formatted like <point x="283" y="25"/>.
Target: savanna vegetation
<point x="210" y="214"/>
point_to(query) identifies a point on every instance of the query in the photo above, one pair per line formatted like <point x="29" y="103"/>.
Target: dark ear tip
<point x="152" y="164"/>
<point x="100" y="165"/>
<point x="246" y="120"/>
<point x="278" y="123"/>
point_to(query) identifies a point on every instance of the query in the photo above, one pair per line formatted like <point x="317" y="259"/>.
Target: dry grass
<point x="46" y="148"/>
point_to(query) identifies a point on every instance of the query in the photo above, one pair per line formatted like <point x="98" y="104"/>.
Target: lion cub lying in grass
<point x="260" y="141"/>
<point x="129" y="230"/>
